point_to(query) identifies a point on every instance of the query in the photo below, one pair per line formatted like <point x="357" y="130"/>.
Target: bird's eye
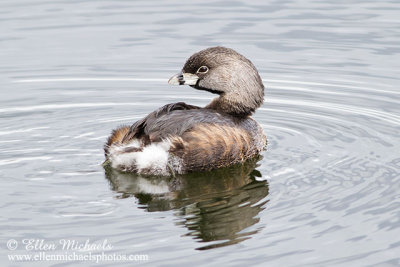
<point x="202" y="69"/>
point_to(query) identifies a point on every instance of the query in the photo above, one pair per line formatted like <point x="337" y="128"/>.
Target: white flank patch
<point x="154" y="156"/>
<point x="153" y="159"/>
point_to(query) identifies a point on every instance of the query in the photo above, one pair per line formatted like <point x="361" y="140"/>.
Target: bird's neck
<point x="232" y="106"/>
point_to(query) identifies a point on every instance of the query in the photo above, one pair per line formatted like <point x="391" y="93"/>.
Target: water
<point x="325" y="193"/>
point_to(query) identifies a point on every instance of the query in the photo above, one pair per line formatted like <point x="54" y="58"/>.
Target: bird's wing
<point x="174" y="120"/>
<point x="150" y="125"/>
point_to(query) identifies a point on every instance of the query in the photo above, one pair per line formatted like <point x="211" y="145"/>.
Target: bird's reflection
<point x="214" y="206"/>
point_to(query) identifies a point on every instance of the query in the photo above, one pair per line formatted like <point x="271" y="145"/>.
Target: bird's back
<point x="184" y="138"/>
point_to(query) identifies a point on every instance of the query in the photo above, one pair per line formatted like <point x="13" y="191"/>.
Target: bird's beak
<point x="183" y="78"/>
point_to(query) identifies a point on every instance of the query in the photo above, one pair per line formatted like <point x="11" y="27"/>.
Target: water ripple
<point x="328" y="181"/>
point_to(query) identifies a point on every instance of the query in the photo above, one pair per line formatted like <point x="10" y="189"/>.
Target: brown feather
<point x="207" y="146"/>
<point x="116" y="137"/>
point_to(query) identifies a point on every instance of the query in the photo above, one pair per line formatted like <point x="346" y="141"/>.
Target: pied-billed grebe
<point x="179" y="138"/>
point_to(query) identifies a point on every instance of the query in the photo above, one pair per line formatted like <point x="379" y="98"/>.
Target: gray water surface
<point x="326" y="191"/>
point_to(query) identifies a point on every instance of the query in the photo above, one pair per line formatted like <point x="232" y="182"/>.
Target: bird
<point x="179" y="138"/>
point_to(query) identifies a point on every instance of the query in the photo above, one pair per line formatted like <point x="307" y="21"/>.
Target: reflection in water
<point x="215" y="205"/>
